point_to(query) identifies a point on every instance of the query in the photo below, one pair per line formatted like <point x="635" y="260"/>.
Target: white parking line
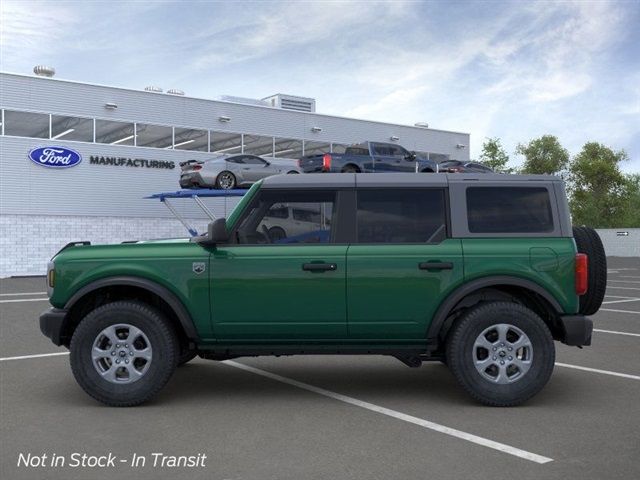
<point x="40" y="355"/>
<point x="622" y="301"/>
<point x="628" y="276"/>
<point x="595" y="370"/>
<point x="21" y="294"/>
<point x="618" y="311"/>
<point x="622" y="288"/>
<point x="25" y="300"/>
<point x="485" y="442"/>
<point x="624" y="281"/>
<point x="616" y="332"/>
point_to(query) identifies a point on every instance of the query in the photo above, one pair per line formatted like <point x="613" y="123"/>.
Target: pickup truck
<point x="368" y="157"/>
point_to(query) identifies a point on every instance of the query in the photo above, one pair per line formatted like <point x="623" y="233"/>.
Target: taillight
<point x="582" y="271"/>
<point x="197" y="167"/>
<point x="455" y="169"/>
<point x="326" y="162"/>
<point x="299" y="163"/>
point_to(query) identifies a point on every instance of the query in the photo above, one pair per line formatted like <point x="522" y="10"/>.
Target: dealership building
<point x="128" y="144"/>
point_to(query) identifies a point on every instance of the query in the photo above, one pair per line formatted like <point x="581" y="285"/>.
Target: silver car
<point x="232" y="171"/>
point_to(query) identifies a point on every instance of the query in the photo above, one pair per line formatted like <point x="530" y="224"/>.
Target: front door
<point x="402" y="265"/>
<point x="284" y="278"/>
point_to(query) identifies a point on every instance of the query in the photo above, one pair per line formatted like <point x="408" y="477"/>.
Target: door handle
<point x="319" y="267"/>
<point x="435" y="266"/>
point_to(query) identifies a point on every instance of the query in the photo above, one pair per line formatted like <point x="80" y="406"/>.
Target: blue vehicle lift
<point x="196" y="194"/>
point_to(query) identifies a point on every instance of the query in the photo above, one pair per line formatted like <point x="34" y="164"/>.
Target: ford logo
<point x="55" y="157"/>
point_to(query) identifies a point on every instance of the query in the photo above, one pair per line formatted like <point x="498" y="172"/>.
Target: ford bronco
<point x="479" y="271"/>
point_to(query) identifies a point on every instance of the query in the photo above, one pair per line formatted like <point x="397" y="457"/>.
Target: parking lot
<point x="330" y="417"/>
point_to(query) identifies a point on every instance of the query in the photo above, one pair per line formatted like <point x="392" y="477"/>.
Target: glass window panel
<point x="509" y="210"/>
<point x="288" y="148"/>
<point x="191" y="139"/>
<point x="156" y="136"/>
<point x="115" y="133"/>
<point x="71" y="128"/>
<point x="338" y="148"/>
<point x="26" y="124"/>
<point x="401" y="216"/>
<point x="438" y="157"/>
<point x="227" y="143"/>
<point x="316" y="148"/>
<point x="258" y="145"/>
<point x="289" y="217"/>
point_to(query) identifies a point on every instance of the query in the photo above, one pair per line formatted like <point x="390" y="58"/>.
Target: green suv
<point x="481" y="272"/>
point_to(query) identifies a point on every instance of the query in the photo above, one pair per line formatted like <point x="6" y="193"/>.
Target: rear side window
<point x="401" y="216"/>
<point x="509" y="210"/>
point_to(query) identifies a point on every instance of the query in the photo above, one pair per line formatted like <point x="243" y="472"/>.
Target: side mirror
<point x="216" y="233"/>
<point x="410" y="156"/>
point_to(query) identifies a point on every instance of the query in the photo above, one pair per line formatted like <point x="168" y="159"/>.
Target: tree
<point x="544" y="155"/>
<point x="494" y="156"/>
<point x="600" y="193"/>
<point x="631" y="216"/>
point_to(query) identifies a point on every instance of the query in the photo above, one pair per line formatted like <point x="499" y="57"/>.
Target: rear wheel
<point x="225" y="180"/>
<point x="501" y="353"/>
<point x="350" y="169"/>
<point x="123" y="353"/>
<point x="292" y="172"/>
<point x="277" y="233"/>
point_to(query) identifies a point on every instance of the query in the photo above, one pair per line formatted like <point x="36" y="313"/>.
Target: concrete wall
<point x="616" y="244"/>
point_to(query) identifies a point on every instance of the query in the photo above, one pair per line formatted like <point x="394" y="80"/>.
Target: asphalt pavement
<point x="323" y="417"/>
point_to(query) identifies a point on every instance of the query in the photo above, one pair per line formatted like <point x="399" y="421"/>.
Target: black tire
<point x="350" y="169"/>
<point x="277" y="233"/>
<point x="292" y="172"/>
<point x="588" y="242"/>
<point x="221" y="180"/>
<point x="186" y="356"/>
<point x="460" y="353"/>
<point x="162" y="339"/>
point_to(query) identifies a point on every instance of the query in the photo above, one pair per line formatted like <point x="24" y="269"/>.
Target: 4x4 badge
<point x="199" y="267"/>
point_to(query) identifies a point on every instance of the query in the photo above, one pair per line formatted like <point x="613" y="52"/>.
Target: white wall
<point x="616" y="245"/>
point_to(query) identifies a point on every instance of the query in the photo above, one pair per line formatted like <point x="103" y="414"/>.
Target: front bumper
<point x="52" y="323"/>
<point x="577" y="330"/>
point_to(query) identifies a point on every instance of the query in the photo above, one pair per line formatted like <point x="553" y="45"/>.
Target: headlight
<point x="51" y="278"/>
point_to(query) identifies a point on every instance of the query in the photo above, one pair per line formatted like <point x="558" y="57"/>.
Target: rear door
<point x="402" y="264"/>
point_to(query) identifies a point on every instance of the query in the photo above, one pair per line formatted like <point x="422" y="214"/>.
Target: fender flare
<point x="454" y="297"/>
<point x="183" y="315"/>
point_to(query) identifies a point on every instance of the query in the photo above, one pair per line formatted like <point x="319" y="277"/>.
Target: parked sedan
<point x="232" y="171"/>
<point x="457" y="166"/>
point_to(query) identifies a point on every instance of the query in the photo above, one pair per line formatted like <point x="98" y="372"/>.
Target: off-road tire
<point x="588" y="241"/>
<point x="460" y="349"/>
<point x="163" y="342"/>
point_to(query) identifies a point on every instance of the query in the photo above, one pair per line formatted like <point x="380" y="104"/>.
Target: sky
<point x="509" y="69"/>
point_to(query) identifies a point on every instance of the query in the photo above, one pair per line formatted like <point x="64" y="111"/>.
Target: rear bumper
<point x="577" y="330"/>
<point x="51" y="324"/>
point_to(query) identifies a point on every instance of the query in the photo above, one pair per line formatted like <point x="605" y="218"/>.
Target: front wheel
<point x="123" y="353"/>
<point x="501" y="353"/>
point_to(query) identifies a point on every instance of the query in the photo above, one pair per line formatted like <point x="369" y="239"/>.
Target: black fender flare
<point x="454" y="297"/>
<point x="183" y="315"/>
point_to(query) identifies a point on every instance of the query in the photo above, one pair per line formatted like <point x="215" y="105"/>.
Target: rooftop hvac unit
<point x="175" y="91"/>
<point x="244" y="100"/>
<point x="291" y="102"/>
<point x="153" y="88"/>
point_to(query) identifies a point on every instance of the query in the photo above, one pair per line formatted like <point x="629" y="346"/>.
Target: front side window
<point x="251" y="160"/>
<point x="401" y="216"/>
<point x="509" y="210"/>
<point x="269" y="222"/>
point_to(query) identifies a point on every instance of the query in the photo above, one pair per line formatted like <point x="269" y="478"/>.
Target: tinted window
<point x="114" y="133"/>
<point x="268" y="220"/>
<point x="26" y="124"/>
<point x="253" y="160"/>
<point x="235" y="160"/>
<point x="71" y="128"/>
<point x="509" y="210"/>
<point x="401" y="216"/>
<point x="157" y="136"/>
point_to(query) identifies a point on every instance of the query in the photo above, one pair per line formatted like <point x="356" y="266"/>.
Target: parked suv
<point x="482" y="272"/>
